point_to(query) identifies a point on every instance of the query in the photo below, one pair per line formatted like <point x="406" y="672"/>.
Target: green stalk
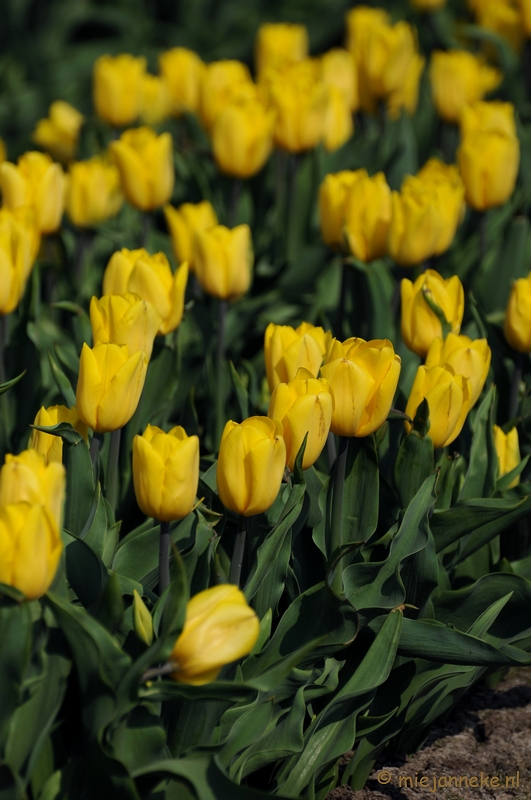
<point x="220" y="372"/>
<point x="337" y="508"/>
<point x="239" y="550"/>
<point x="164" y="557"/>
<point x="112" y="470"/>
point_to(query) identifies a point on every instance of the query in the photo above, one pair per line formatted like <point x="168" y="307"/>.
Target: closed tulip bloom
<point x="145" y="163"/>
<point x="184" y="222"/>
<point x="406" y="96"/>
<point x="109" y="385"/>
<point x="224" y="82"/>
<point x="333" y="193"/>
<point x="287" y="349"/>
<point x="48" y="446"/>
<point x="219" y="628"/>
<point x="165" y="472"/>
<point x="459" y="78"/>
<point x="38" y="183"/>
<point x="223" y="259"/>
<point x="420" y="325"/>
<point x="488" y="163"/>
<point x="448" y="397"/>
<point x="280" y="43"/>
<point x="93" y="192"/>
<point x="27" y="479"/>
<point x="508" y="452"/>
<point x="339" y="69"/>
<point x="368" y="216"/>
<point x="428" y="5"/>
<point x="242" y="138"/>
<point x="338" y="126"/>
<point x="18" y="241"/>
<point x="151" y="278"/>
<point x="448" y="184"/>
<point x="124" y="319"/>
<point x="183" y="70"/>
<point x="58" y="133"/>
<point x="493" y="116"/>
<point x="303" y="406"/>
<point x="155" y="105"/>
<point x="117" y="88"/>
<point x="517" y="327"/>
<point x="467" y="357"/>
<point x="251" y="462"/>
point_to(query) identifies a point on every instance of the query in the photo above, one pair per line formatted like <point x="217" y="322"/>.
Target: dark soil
<point x="489" y="732"/>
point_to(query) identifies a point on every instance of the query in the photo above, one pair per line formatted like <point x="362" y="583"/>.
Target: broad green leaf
<point x="15" y="634"/>
<point x="480" y="480"/>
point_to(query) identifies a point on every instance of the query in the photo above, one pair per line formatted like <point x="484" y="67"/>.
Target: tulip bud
<point x="124" y="319"/>
<point x="142" y="620"/>
<point x="363" y="378"/>
<point x="242" y="138"/>
<point x="427" y="5"/>
<point x="92" y="192"/>
<point x="339" y="69"/>
<point x="517" y="326"/>
<point x="48" y="446"/>
<point x="508" y="452"/>
<point x="19" y="240"/>
<point x="303" y="406"/>
<point x="145" y="163"/>
<point x="117" y="88"/>
<point x="184" y="222"/>
<point x="38" y="183"/>
<point x="251" y="462"/>
<point x="466" y="357"/>
<point x="288" y="349"/>
<point x="58" y="133"/>
<point x="219" y="628"/>
<point x="459" y="78"/>
<point x="338" y="126"/>
<point x="109" y="385"/>
<point x="27" y="479"/>
<point x="279" y="44"/>
<point x="333" y="193"/>
<point x="420" y="325"/>
<point x="367" y="216"/>
<point x="183" y="71"/>
<point x="224" y="82"/>
<point x="223" y="259"/>
<point x="165" y="472"/>
<point x="155" y="104"/>
<point x="448" y="397"/>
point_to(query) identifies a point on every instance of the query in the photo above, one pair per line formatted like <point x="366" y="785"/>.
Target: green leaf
<point x="86" y="572"/>
<point x="241" y="392"/>
<point x="5" y="387"/>
<point x="413" y="465"/>
<point x="63" y="384"/>
<point x="437" y="310"/>
<point x="480" y="480"/>
<point x="15" y="637"/>
<point x="361" y="493"/>
<point x="218" y="690"/>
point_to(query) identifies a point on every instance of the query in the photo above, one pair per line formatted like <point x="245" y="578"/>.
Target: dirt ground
<point x="489" y="732"/>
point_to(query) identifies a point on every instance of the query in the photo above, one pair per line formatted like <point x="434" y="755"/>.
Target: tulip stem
<point x="515" y="385"/>
<point x="235" y="199"/>
<point x="337" y="508"/>
<point x="164" y="557"/>
<point x="237" y="555"/>
<point x="112" y="469"/>
<point x="331" y="451"/>
<point x="220" y="372"/>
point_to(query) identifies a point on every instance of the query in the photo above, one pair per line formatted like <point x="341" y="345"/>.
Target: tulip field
<point x="265" y="388"/>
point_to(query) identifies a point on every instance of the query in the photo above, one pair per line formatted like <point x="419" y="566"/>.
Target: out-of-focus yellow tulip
<point x="224" y="82"/>
<point x="428" y="5"/>
<point x="37" y="182"/>
<point x="151" y="278"/>
<point x="219" y="628"/>
<point x="493" y="116"/>
<point x="420" y="325"/>
<point x="280" y="43"/>
<point x="338" y="125"/>
<point x="503" y="17"/>
<point x="339" y="69"/>
<point x="368" y="216"/>
<point x="517" y="326"/>
<point x="145" y="162"/>
<point x="447" y="182"/>
<point x="525" y="11"/>
<point x="459" y="78"/>
<point x="156" y="104"/>
<point x="303" y="406"/>
<point x="93" y="192"/>
<point x="184" y="222"/>
<point x="333" y="193"/>
<point x="508" y="452"/>
<point x="142" y="620"/>
<point x="117" y="88"/>
<point x="223" y="259"/>
<point x="183" y="72"/>
<point x="109" y="385"/>
<point x="58" y="133"/>
<point x="448" y="397"/>
<point x="27" y="479"/>
<point x="467" y="357"/>
<point x="19" y="240"/>
<point x="287" y="349"/>
<point x="165" y="472"/>
<point x="124" y="319"/>
<point x="242" y="138"/>
<point x="406" y="96"/>
<point x="48" y="446"/>
<point x="251" y="462"/>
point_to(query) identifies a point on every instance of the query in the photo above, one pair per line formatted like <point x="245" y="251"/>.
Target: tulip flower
<point x="224" y="82"/>
<point x="28" y="480"/>
<point x="303" y="406"/>
<point x="117" y="88"/>
<point x="333" y="193"/>
<point x="251" y="462"/>
<point x="165" y="472"/>
<point x="517" y="327"/>
<point x="502" y="17"/>
<point x="183" y="70"/>
<point x="367" y="216"/>
<point x="124" y="319"/>
<point x="93" y="192"/>
<point x="288" y="349"/>
<point x="508" y="452"/>
<point x="242" y="138"/>
<point x="458" y="79"/>
<point x="155" y="105"/>
<point x="58" y="133"/>
<point x="448" y="397"/>
<point x="525" y="11"/>
<point x="184" y="222"/>
<point x="48" y="446"/>
<point x="338" y="126"/>
<point x="279" y="44"/>
<point x="109" y="385"/>
<point x="450" y="189"/>
<point x="467" y="357"/>
<point x="145" y="163"/>
<point x="38" y="183"/>
<point x="19" y="241"/>
<point x="219" y="628"/>
<point x="420" y="325"/>
<point x="338" y="69"/>
<point x="223" y="259"/>
<point x="363" y="377"/>
<point x="406" y="96"/>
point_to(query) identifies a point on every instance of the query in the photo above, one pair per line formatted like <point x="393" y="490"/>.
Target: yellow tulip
<point x="117" y="88"/>
<point x="145" y="163"/>
<point x="224" y="82"/>
<point x="165" y="472"/>
<point x="124" y="319"/>
<point x="363" y="378"/>
<point x="508" y="452"/>
<point x="333" y="193"/>
<point x="183" y="72"/>
<point x="280" y="43"/>
<point x="448" y="184"/>
<point x="428" y="5"/>
<point x="467" y="357"/>
<point x="58" y="133"/>
<point x="338" y="126"/>
<point x="303" y="406"/>
<point x="493" y="116"/>
<point x="242" y="138"/>
<point x="517" y="326"/>
<point x="48" y="446"/>
<point x="19" y="240"/>
<point x="184" y="222"/>
<point x="459" y="78"/>
<point x="448" y="397"/>
<point x="219" y="628"/>
<point x="155" y="104"/>
<point x="288" y="349"/>
<point x="27" y="479"/>
<point x="109" y="385"/>
<point x="223" y="259"/>
<point x="525" y="11"/>
<point x="38" y="183"/>
<point x="251" y="462"/>
<point x="504" y="18"/>
<point x="151" y="278"/>
<point x="93" y="192"/>
<point x="420" y="325"/>
<point x="368" y="216"/>
<point x="339" y="69"/>
<point x="406" y="96"/>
